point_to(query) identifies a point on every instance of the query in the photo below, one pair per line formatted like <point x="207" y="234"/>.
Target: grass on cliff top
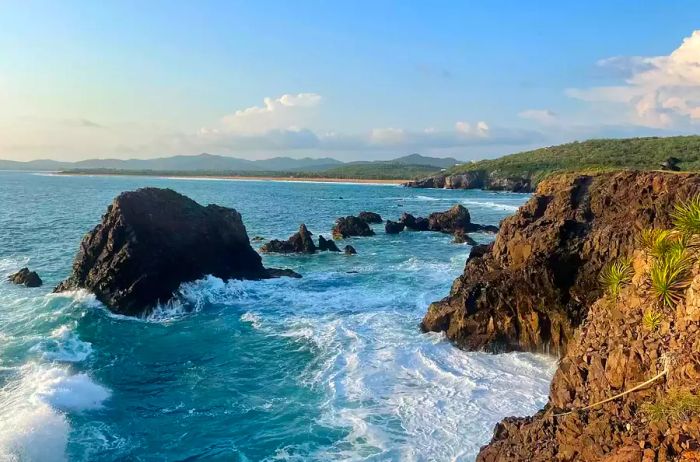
<point x="596" y="155"/>
<point x="676" y="405"/>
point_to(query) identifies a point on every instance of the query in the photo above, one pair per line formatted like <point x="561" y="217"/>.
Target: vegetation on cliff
<point x="628" y="388"/>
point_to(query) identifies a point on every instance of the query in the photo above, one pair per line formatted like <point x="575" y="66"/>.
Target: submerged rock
<point x="370" y="217"/>
<point x="534" y="286"/>
<point x="151" y="240"/>
<point x="393" y="227"/>
<point x="350" y="250"/>
<point x="299" y="242"/>
<point x="327" y="245"/>
<point x="283" y="272"/>
<point x="351" y="226"/>
<point x="26" y="278"/>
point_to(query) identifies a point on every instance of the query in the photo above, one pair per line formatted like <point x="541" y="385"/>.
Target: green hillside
<point x="632" y="153"/>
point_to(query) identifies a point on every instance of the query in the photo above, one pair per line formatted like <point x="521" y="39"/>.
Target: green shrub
<point x="651" y="320"/>
<point x="675" y="406"/>
<point x="686" y="216"/>
<point x="615" y="275"/>
<point x="656" y="241"/>
<point x="670" y="275"/>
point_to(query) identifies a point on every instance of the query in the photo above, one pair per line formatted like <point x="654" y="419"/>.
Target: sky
<point x="351" y="80"/>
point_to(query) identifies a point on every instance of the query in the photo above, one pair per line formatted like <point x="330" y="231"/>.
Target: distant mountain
<point x="417" y="159"/>
<point x="214" y="163"/>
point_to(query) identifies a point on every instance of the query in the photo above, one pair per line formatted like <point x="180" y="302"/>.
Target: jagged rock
<point x="26" y="278"/>
<point x="299" y="242"/>
<point x="612" y="353"/>
<point x="283" y="272"/>
<point x="370" y="217"/>
<point x="327" y="245"/>
<point x="152" y="240"/>
<point x="456" y="218"/>
<point x="393" y="227"/>
<point x="460" y="237"/>
<point x="534" y="286"/>
<point x="351" y="226"/>
<point x="413" y="223"/>
<point x="350" y="250"/>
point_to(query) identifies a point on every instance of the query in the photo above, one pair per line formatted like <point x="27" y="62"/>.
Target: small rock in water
<point x="258" y="238"/>
<point x="26" y="278"/>
<point x="282" y="272"/>
<point x="299" y="242"/>
<point x="350" y="250"/>
<point x="393" y="227"/>
<point x="327" y="245"/>
<point x="351" y="226"/>
<point x="460" y="237"/>
<point x="370" y="217"/>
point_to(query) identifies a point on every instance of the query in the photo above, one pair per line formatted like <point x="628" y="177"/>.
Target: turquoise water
<point x="328" y="367"/>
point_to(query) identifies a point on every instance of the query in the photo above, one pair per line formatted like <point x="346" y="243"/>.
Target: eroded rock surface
<point x="370" y="217"/>
<point x="327" y="245"/>
<point x="26" y="278"/>
<point x="299" y="242"/>
<point x="151" y="240"/>
<point x="535" y="284"/>
<point x="351" y="226"/>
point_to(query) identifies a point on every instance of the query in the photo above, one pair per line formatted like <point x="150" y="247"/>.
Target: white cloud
<point x="659" y="91"/>
<point x="281" y="113"/>
<point x="541" y="116"/>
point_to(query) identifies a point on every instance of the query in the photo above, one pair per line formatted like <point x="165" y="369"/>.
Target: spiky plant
<point x="676" y="405"/>
<point x="651" y="320"/>
<point x="686" y="216"/>
<point x="670" y="275"/>
<point x="615" y="275"/>
<point x="656" y="241"/>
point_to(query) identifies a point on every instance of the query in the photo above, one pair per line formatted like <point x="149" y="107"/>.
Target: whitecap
<point x="64" y="345"/>
<point x="492" y="205"/>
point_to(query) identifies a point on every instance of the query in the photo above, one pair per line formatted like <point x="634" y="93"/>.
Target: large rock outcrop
<point x="370" y="217"/>
<point x="351" y="226"/>
<point x="152" y="240"/>
<point x="534" y="286"/>
<point x="612" y="353"/>
<point x="474" y="179"/>
<point x="299" y="242"/>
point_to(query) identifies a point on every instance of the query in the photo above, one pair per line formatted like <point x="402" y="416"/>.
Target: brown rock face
<point x="26" y="278"/>
<point x="299" y="242"/>
<point x="538" y="279"/>
<point x="151" y="240"/>
<point x="351" y="226"/>
<point x="613" y="352"/>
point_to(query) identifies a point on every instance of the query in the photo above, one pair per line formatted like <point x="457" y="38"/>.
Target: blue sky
<point x="353" y="80"/>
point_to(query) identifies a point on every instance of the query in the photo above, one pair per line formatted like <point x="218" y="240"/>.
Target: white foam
<point x="426" y="198"/>
<point x="33" y="426"/>
<point x="492" y="205"/>
<point x="64" y="345"/>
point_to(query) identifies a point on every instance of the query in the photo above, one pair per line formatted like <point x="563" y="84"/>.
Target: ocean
<point x="324" y="368"/>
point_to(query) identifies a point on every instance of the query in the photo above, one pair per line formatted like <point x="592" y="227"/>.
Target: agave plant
<point x="656" y="241"/>
<point x="651" y="320"/>
<point x="670" y="275"/>
<point x="686" y="216"/>
<point x="615" y="275"/>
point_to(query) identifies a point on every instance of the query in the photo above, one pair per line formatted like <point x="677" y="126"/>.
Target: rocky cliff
<point x="474" y="179"/>
<point x="533" y="286"/>
<point x="628" y="388"/>
<point x="151" y="240"/>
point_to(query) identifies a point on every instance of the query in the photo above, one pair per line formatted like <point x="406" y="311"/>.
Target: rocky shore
<point x="537" y="288"/>
<point x="475" y="179"/>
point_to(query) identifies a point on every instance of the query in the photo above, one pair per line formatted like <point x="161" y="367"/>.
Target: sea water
<point x="332" y="366"/>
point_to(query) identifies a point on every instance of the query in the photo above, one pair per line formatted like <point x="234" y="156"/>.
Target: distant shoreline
<point x="244" y="178"/>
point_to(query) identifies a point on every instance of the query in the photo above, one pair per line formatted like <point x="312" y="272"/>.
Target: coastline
<point x="246" y="178"/>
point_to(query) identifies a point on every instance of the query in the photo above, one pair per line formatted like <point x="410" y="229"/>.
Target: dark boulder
<point x="351" y="226"/>
<point x="327" y="245"/>
<point x="152" y="240"/>
<point x="282" y="273"/>
<point x="370" y="217"/>
<point x="456" y="218"/>
<point x="460" y="237"/>
<point x="350" y="250"/>
<point x="393" y="227"/>
<point x="299" y="242"/>
<point x="413" y="223"/>
<point x="26" y="278"/>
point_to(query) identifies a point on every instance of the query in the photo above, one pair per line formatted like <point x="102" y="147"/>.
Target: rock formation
<point x="26" y="278"/>
<point x="299" y="242"/>
<point x="370" y="217"/>
<point x="460" y="237"/>
<point x="533" y="287"/>
<point x="413" y="223"/>
<point x="350" y="250"/>
<point x="152" y="240"/>
<point x="619" y="347"/>
<point x="327" y="245"/>
<point x="351" y="226"/>
<point x="474" y="179"/>
<point x="393" y="227"/>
